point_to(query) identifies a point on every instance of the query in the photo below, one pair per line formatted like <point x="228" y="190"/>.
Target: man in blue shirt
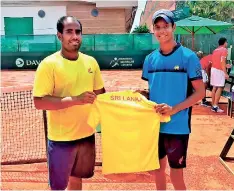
<point x="175" y="82"/>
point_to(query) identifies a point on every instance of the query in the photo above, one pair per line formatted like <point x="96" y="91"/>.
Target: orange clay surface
<point x="210" y="132"/>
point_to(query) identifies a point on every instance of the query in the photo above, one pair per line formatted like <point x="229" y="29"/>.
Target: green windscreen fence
<point x="110" y="42"/>
<point x="29" y="43"/>
<point x="112" y="51"/>
<point x="99" y="42"/>
<point x="207" y="43"/>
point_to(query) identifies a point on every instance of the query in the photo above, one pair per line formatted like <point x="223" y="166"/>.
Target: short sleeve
<point x="145" y="75"/>
<point x="98" y="80"/>
<point x="224" y="55"/>
<point x="94" y="116"/>
<point x="194" y="68"/>
<point x="44" y="80"/>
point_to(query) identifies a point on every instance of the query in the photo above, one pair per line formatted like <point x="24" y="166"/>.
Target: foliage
<point x="141" y="29"/>
<point x="217" y="10"/>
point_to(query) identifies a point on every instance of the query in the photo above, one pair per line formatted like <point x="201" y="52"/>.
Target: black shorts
<point x="175" y="148"/>
<point x="71" y="158"/>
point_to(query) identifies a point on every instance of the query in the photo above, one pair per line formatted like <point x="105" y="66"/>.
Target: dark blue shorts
<point x="175" y="148"/>
<point x="72" y="158"/>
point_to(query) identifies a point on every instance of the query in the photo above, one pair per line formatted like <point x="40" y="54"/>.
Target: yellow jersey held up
<point x="129" y="131"/>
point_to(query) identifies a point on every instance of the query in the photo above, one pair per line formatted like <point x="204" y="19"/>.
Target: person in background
<point x="218" y="73"/>
<point x="206" y="62"/>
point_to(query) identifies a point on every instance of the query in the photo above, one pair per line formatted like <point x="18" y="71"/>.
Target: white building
<point x="40" y="17"/>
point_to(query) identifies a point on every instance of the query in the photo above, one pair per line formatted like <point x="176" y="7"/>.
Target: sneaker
<point x="217" y="109"/>
<point x="206" y="104"/>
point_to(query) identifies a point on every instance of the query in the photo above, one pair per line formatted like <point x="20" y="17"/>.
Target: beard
<point x="72" y="48"/>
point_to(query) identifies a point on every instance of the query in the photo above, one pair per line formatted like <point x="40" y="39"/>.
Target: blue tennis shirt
<point x="169" y="78"/>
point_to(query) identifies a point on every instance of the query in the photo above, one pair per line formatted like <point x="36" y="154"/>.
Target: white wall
<point x="116" y="4"/>
<point x="45" y="25"/>
<point x="140" y="9"/>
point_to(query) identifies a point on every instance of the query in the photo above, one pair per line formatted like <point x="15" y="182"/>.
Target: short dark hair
<point x="222" y="41"/>
<point x="60" y="23"/>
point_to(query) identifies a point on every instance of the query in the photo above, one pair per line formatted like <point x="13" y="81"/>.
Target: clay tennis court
<point x="210" y="132"/>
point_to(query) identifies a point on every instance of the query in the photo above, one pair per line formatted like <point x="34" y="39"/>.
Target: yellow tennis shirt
<point x="130" y="131"/>
<point x="59" y="77"/>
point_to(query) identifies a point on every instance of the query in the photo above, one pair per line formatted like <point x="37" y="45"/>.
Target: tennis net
<point x="23" y="130"/>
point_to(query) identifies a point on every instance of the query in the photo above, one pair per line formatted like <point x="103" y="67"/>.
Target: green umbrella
<point x="198" y="25"/>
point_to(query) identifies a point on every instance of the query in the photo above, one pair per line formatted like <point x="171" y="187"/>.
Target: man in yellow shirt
<point x="66" y="84"/>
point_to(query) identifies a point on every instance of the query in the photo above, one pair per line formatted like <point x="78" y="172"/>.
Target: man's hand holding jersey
<point x="85" y="98"/>
<point x="165" y="109"/>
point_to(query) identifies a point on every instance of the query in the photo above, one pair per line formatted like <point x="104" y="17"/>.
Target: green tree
<point x="141" y="29"/>
<point x="218" y="10"/>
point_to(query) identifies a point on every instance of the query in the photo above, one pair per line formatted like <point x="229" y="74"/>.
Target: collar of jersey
<point x="174" y="49"/>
